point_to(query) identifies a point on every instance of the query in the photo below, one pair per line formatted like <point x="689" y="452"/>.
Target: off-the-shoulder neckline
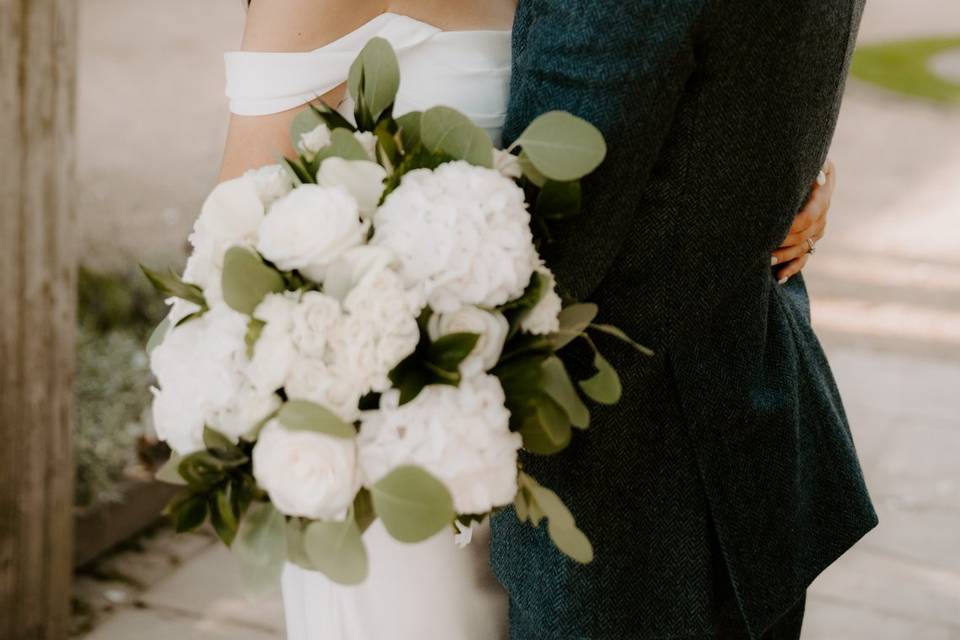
<point x="433" y="26"/>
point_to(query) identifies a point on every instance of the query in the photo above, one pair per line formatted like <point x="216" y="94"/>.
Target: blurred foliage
<point x="904" y="67"/>
<point x="116" y="314"/>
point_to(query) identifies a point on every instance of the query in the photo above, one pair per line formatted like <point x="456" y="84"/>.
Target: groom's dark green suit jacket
<point x="726" y="479"/>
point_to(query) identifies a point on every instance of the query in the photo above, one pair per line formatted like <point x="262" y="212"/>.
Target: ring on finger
<point x="812" y="246"/>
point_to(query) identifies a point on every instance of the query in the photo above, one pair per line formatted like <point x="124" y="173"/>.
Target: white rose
<point x="507" y="164"/>
<point x="197" y="370"/>
<point x="369" y="143"/>
<point x="309" y="228"/>
<point x="544" y="318"/>
<point x="492" y="327"/>
<point x="274" y="351"/>
<point x="459" y="434"/>
<point x="461" y="235"/>
<point x="313" y="319"/>
<point x="362" y="179"/>
<point x="307" y="474"/>
<point x="272" y="182"/>
<point x="314" y="140"/>
<point x="311" y="379"/>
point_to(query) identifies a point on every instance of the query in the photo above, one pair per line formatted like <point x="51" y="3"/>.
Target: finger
<point x="818" y="204"/>
<point x="792" y="268"/>
<point x="800" y="238"/>
<point x="783" y="256"/>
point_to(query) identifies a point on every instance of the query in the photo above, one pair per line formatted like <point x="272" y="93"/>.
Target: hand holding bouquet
<point x="367" y="331"/>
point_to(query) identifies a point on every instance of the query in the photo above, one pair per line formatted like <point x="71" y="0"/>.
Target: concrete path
<point x="886" y="288"/>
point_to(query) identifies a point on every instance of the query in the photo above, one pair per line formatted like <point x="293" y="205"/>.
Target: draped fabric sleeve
<point x="261" y="83"/>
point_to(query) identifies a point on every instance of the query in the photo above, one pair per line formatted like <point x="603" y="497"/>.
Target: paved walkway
<point x="886" y="286"/>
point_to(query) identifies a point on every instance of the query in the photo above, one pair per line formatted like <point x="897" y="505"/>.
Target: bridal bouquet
<point x="367" y="331"/>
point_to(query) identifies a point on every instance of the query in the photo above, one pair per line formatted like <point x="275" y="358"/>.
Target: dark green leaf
<point x="301" y="415"/>
<point x="331" y="116"/>
<point x="557" y="384"/>
<point x="336" y="549"/>
<point x="448" y="131"/>
<point x="530" y="172"/>
<point x="547" y="431"/>
<point x="618" y="333"/>
<point x="559" y="199"/>
<point x="604" y="387"/>
<point x="201" y="470"/>
<point x="261" y="547"/>
<point x="222" y="516"/>
<point x="447" y="352"/>
<point x="412" y="503"/>
<point x="171" y="285"/>
<point x="247" y="280"/>
<point x="187" y="511"/>
<point x="562" y="146"/>
<point x="191" y="316"/>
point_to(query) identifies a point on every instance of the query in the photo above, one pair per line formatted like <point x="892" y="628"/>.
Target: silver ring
<point x="813" y="247"/>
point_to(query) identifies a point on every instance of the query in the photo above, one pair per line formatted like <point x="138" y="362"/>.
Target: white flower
<point x="314" y="140"/>
<point x="464" y="535"/>
<point x="274" y="351"/>
<point x="362" y="179"/>
<point x="313" y="319"/>
<point x="197" y="370"/>
<point x="272" y="182"/>
<point x="354" y="266"/>
<point x="369" y="143"/>
<point x="248" y="409"/>
<point x="459" y="434"/>
<point x="544" y="318"/>
<point x="492" y="327"/>
<point x="231" y="216"/>
<point x="309" y="228"/>
<point x="507" y="164"/>
<point x="461" y="234"/>
<point x="307" y="474"/>
<point x="311" y="379"/>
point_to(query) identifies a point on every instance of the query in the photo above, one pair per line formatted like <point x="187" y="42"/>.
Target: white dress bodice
<point x="431" y="589"/>
<point x="466" y="70"/>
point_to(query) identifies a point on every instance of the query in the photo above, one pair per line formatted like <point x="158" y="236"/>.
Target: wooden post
<point x="37" y="315"/>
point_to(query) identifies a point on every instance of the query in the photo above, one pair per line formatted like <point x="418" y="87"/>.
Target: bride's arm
<point x="287" y="25"/>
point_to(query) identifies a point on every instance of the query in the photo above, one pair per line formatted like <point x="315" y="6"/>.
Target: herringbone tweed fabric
<point x="729" y="461"/>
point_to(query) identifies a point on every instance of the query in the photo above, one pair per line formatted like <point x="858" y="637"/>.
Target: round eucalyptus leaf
<point x="552" y="506"/>
<point x="448" y="131"/>
<point x="574" y="320"/>
<point x="246" y="280"/>
<point x="543" y="432"/>
<point x="562" y="146"/>
<point x="301" y="415"/>
<point x="336" y="549"/>
<point x="557" y="384"/>
<point x="604" y="387"/>
<point x="572" y="542"/>
<point x="412" y="503"/>
<point x="376" y="74"/>
<point x="261" y="548"/>
<point x="409" y="124"/>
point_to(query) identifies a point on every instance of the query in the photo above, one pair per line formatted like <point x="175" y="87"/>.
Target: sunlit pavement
<point x="886" y="300"/>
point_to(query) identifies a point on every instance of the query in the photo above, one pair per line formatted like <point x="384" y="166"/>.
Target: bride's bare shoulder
<point x="304" y="25"/>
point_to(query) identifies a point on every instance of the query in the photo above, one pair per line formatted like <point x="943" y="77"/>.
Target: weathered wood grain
<point x="37" y="315"/>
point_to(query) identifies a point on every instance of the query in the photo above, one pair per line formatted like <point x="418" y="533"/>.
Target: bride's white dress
<point x="432" y="589"/>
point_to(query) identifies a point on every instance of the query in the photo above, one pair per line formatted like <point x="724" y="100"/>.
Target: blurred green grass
<point x="904" y="67"/>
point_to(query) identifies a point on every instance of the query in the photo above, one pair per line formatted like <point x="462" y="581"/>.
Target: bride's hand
<point x="810" y="224"/>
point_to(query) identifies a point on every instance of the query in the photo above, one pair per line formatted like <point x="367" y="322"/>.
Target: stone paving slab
<point x="163" y="625"/>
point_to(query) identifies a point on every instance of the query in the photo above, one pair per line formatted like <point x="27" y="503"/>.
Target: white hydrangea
<point x="339" y="391"/>
<point x="314" y="140"/>
<point x="312" y="321"/>
<point x="199" y="379"/>
<point x="491" y="326"/>
<point x="272" y="182"/>
<point x="309" y="228"/>
<point x="459" y="434"/>
<point x="507" y="164"/>
<point x="461" y="234"/>
<point x="307" y="474"/>
<point x="230" y="216"/>
<point x="544" y="318"/>
<point x="275" y="351"/>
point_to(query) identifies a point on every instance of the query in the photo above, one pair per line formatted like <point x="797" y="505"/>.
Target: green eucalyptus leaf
<point x="447" y="352"/>
<point x="448" y="131"/>
<point x="604" y="387"/>
<point x="158" y="335"/>
<point x="574" y="320"/>
<point x="572" y="542"/>
<point x="213" y="439"/>
<point x="169" y="472"/>
<point x="254" y="330"/>
<point x="561" y="525"/>
<point x="558" y="200"/>
<point x="412" y="503"/>
<point x="187" y="511"/>
<point x="521" y="505"/>
<point x="247" y="280"/>
<point x="363" y="510"/>
<point x="557" y="385"/>
<point x="336" y="549"/>
<point x="261" y="548"/>
<point x="409" y="124"/>
<point x="304" y="122"/>
<point x="618" y="333"/>
<point x="222" y="515"/>
<point x="296" y="551"/>
<point x="376" y="75"/>
<point x="562" y="146"/>
<point x="302" y="415"/>
<point x="201" y="470"/>
<point x="342" y="145"/>
<point x="171" y="285"/>
<point x="547" y="431"/>
<point x="529" y="171"/>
